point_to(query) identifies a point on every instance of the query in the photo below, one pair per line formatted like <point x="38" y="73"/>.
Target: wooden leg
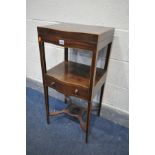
<point x="100" y="102"/>
<point x="66" y="54"/>
<point x="65" y="99"/>
<point x="88" y="121"/>
<point x="66" y="59"/>
<point x="46" y="103"/>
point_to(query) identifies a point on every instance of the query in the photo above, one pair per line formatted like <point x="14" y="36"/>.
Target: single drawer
<point x="66" y="88"/>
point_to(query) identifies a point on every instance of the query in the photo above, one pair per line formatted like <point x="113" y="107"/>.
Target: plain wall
<point x="111" y="13"/>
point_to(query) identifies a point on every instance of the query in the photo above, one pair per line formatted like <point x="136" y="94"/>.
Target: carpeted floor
<point x="64" y="136"/>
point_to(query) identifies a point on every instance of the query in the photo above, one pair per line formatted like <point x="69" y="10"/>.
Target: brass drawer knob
<point x="53" y="83"/>
<point x="76" y="91"/>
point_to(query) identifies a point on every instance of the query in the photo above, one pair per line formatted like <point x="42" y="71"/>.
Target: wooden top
<point x="79" y="28"/>
<point x="76" y="35"/>
<point x="74" y="73"/>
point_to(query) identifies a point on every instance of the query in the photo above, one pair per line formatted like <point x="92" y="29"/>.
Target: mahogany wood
<point x="100" y="102"/>
<point x="66" y="54"/>
<point x="43" y="66"/>
<point x="66" y="59"/>
<point x="74" y="111"/>
<point x="76" y="35"/>
<point x="70" y="78"/>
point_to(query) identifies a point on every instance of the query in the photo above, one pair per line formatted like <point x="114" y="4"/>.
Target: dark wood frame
<point x="93" y="42"/>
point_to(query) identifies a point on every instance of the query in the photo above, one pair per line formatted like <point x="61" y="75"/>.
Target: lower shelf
<point x="73" y="79"/>
<point x="74" y="73"/>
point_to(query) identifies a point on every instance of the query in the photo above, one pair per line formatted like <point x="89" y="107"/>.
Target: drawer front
<point x="67" y="89"/>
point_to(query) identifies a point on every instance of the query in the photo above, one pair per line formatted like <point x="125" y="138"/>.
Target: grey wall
<point x="113" y="13"/>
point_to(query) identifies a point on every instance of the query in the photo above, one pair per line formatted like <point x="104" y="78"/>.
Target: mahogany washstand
<point x="72" y="78"/>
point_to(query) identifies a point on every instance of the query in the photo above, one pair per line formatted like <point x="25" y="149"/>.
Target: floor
<point x="63" y="136"/>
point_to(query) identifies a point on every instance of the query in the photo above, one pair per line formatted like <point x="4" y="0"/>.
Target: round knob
<point x="53" y="83"/>
<point x="76" y="91"/>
